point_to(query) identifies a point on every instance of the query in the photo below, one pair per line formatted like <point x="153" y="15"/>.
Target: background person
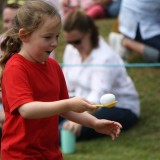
<point x="92" y="8"/>
<point x="8" y="15"/>
<point x="139" y="24"/>
<point x="86" y="47"/>
<point x="111" y="7"/>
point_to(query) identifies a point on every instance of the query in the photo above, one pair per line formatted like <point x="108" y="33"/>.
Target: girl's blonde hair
<point x="30" y="16"/>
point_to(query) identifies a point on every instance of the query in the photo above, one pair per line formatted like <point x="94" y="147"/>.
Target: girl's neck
<point x="29" y="58"/>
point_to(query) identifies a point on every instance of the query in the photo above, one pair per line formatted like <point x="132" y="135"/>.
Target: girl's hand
<point x="107" y="127"/>
<point x="73" y="127"/>
<point x="80" y="105"/>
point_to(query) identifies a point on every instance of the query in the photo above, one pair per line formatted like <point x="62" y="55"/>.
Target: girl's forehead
<point x="51" y="23"/>
<point x="54" y="20"/>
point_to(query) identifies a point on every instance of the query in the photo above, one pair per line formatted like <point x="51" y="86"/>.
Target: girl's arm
<point x="102" y="126"/>
<point x="33" y="110"/>
<point x="87" y="120"/>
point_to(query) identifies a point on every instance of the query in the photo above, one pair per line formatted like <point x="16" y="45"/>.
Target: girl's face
<point x="81" y="41"/>
<point x="37" y="46"/>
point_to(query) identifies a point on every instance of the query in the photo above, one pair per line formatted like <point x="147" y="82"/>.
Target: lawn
<point x="142" y="142"/>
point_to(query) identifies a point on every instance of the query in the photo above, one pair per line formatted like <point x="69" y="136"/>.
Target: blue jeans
<point x="153" y="42"/>
<point x="112" y="10"/>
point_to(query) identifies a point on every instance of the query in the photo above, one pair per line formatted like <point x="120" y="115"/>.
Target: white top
<point x="144" y="12"/>
<point x="92" y="82"/>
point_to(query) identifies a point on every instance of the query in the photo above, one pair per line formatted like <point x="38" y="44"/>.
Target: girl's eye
<point x="47" y="37"/>
<point x="57" y="36"/>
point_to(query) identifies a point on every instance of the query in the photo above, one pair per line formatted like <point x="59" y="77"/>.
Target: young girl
<point x="34" y="90"/>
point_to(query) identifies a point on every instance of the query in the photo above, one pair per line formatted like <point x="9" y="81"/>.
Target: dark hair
<point x="78" y="20"/>
<point x="29" y="16"/>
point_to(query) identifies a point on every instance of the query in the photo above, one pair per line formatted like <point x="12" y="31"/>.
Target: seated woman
<point x="94" y="73"/>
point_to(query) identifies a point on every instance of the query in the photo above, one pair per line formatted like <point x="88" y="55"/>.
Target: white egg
<point x="107" y="99"/>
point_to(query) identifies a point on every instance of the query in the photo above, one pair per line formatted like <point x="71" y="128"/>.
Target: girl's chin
<point x="44" y="59"/>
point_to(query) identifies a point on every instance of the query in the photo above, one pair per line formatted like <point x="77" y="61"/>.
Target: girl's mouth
<point x="48" y="52"/>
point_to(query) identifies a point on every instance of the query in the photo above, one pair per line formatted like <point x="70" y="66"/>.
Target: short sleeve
<point x="16" y="88"/>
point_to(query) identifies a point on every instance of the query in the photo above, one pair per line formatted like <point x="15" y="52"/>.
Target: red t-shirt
<point x="24" y="81"/>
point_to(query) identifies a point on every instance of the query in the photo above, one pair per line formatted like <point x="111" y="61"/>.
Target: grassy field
<point x="142" y="142"/>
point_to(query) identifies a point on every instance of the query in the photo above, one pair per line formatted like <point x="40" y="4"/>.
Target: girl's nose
<point x="54" y="43"/>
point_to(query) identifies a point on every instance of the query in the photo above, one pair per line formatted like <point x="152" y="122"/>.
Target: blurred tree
<point x="16" y="1"/>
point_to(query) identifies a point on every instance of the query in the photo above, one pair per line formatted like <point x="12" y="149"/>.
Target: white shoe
<point x="115" y="41"/>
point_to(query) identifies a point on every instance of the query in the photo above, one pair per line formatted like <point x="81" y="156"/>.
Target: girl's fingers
<point x="116" y="132"/>
<point x="118" y="124"/>
<point x="112" y="136"/>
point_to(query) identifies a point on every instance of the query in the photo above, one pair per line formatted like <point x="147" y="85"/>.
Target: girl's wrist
<point x="93" y="123"/>
<point x="69" y="105"/>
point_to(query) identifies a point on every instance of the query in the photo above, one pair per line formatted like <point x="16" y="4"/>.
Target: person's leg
<point x="96" y="11"/>
<point x="122" y="45"/>
<point x="152" y="49"/>
<point x="149" y="48"/>
<point x="112" y="10"/>
<point x="133" y="45"/>
<point x="149" y="53"/>
<point x="123" y="116"/>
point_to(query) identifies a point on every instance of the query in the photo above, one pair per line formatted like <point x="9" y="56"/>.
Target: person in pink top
<point x="34" y="89"/>
<point x="92" y="8"/>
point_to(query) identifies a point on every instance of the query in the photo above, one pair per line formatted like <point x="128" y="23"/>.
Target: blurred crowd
<point x="138" y="23"/>
<point x="94" y="8"/>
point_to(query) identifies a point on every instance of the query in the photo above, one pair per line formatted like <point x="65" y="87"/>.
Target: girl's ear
<point x="23" y="35"/>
